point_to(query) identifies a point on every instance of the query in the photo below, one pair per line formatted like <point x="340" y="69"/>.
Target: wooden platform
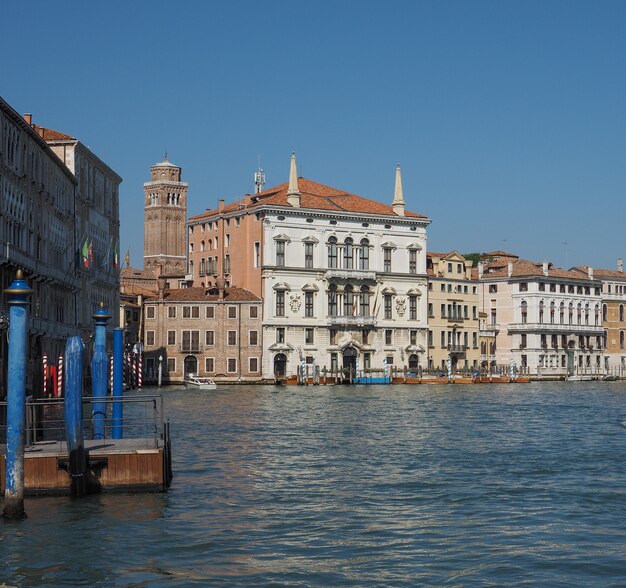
<point x="115" y="465"/>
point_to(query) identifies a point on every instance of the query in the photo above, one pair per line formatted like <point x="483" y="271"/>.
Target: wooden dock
<point x="126" y="465"/>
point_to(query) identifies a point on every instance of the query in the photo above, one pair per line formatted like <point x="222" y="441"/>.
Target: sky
<point x="508" y="118"/>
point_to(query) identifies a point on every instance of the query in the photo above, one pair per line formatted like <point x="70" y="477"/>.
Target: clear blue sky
<point x="508" y="118"/>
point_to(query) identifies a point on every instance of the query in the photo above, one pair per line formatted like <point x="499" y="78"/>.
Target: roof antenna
<point x="259" y="178"/>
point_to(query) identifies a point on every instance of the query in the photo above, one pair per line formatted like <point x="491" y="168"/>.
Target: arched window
<point x="332" y="300"/>
<point x="348" y="301"/>
<point x="621" y="339"/>
<point x="364" y="254"/>
<point x="562" y="312"/>
<point x="332" y="252"/>
<point x="202" y="245"/>
<point x="348" y="253"/>
<point x="365" y="301"/>
<point x="621" y="312"/>
<point x="596" y="315"/>
<point x="524" y="311"/>
<point x="552" y="312"/>
<point x="541" y="311"/>
<point x="571" y="312"/>
<point x="579" y="313"/>
<point x="605" y="312"/>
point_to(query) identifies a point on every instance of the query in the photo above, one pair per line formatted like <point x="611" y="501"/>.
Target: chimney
<point x="28" y="118"/>
<point x="620" y="265"/>
<point x="161" y="287"/>
<point x="220" y="204"/>
<point x="247" y="200"/>
<point x="545" y="268"/>
<point x="481" y="269"/>
<point x="510" y="268"/>
<point x="590" y="272"/>
<point x="220" y="288"/>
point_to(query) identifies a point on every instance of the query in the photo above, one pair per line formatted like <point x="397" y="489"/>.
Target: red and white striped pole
<point x="45" y="375"/>
<point x="134" y="370"/>
<point x="111" y="373"/>
<point x="140" y="370"/>
<point x="60" y="377"/>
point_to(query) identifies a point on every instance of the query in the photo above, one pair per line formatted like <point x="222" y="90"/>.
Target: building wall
<point x="218" y="350"/>
<point x="37" y="235"/>
<point x="614" y="320"/>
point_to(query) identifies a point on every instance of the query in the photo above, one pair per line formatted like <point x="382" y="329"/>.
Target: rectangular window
<point x="253" y="365"/>
<point x="333" y="336"/>
<point x="387" y="302"/>
<point x="191" y="341"/>
<point x="232" y="338"/>
<point x="365" y="337"/>
<point x="388" y="336"/>
<point x="171" y="337"/>
<point x="308" y="336"/>
<point x="171" y="312"/>
<point x="232" y="312"/>
<point x="413" y="308"/>
<point x="257" y="254"/>
<point x="443" y="338"/>
<point x="308" y="255"/>
<point x="542" y="287"/>
<point x="171" y="364"/>
<point x="209" y="338"/>
<point x="227" y="263"/>
<point x="254" y="312"/>
<point x="280" y="253"/>
<point x="280" y="303"/>
<point x="280" y="335"/>
<point x="493" y="288"/>
<point x="367" y="361"/>
<point x="150" y="312"/>
<point x="149" y="338"/>
<point x="308" y="304"/>
<point x="209" y="365"/>
<point x="232" y="365"/>
<point x="443" y="311"/>
<point x="387" y="259"/>
<point x="253" y="338"/>
<point x="191" y="312"/>
<point x="413" y="337"/>
<point x="475" y="340"/>
<point x="523" y="287"/>
<point x="334" y="365"/>
<point x="412" y="261"/>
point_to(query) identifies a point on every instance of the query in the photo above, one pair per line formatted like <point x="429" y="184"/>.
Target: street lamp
<point x="160" y="369"/>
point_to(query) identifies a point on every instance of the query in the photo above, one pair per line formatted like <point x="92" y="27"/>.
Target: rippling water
<point x="356" y="486"/>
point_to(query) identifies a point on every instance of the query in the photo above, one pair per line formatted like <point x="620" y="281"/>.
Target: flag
<point x="90" y="250"/>
<point x="116" y="256"/>
<point x="354" y="308"/>
<point x="85" y="254"/>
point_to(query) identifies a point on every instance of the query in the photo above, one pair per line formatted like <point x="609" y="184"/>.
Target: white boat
<point x="200" y="383"/>
<point x="579" y="378"/>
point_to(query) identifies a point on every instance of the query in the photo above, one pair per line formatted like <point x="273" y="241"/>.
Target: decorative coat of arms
<point x="294" y="302"/>
<point x="400" y="305"/>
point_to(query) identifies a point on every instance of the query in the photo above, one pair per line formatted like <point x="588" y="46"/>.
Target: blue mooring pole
<point x="17" y="299"/>
<point x="99" y="367"/>
<point x="74" y="349"/>
<point x="118" y="363"/>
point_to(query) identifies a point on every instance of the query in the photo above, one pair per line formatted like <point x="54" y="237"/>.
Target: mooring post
<point x="17" y="299"/>
<point x="99" y="364"/>
<point x="74" y="350"/>
<point x="118" y="366"/>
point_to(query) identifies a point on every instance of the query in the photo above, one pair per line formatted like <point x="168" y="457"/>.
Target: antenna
<point x="259" y="178"/>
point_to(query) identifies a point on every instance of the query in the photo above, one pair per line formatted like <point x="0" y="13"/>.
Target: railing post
<point x="17" y="293"/>
<point x="99" y="364"/>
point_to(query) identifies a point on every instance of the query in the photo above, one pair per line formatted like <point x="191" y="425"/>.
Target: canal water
<point x="510" y="484"/>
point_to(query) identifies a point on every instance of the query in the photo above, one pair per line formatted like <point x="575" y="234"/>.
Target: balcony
<point x="594" y="330"/>
<point x="456" y="349"/>
<point x="485" y="357"/>
<point x="456" y="318"/>
<point x="352" y="321"/>
<point x="193" y="348"/>
<point x="489" y="329"/>
<point x="351" y="275"/>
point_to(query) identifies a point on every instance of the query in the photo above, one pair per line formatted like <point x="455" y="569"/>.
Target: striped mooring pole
<point x="17" y="300"/>
<point x="45" y="375"/>
<point x="140" y="370"/>
<point x="118" y="363"/>
<point x="60" y="377"/>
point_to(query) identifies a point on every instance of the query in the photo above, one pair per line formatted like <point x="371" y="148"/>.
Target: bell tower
<point x="165" y="217"/>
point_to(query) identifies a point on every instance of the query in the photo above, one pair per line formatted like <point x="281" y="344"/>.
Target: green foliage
<point x="475" y="257"/>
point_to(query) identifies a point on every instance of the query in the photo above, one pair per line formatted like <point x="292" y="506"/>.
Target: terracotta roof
<point x="526" y="268"/>
<point x="133" y="272"/>
<point x="313" y="196"/>
<point x="51" y="135"/>
<point x="499" y="254"/>
<point x="232" y="294"/>
<point x="606" y="273"/>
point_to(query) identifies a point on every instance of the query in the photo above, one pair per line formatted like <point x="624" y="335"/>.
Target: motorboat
<point x="199" y="383"/>
<point x="579" y="378"/>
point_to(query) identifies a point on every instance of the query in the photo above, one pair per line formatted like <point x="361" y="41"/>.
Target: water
<point x="364" y="486"/>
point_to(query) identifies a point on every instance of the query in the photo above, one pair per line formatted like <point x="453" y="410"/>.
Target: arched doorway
<point x="349" y="364"/>
<point x="280" y="365"/>
<point x="414" y="362"/>
<point x="191" y="365"/>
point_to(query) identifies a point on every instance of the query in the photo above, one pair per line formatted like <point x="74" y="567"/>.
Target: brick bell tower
<point x="165" y="217"/>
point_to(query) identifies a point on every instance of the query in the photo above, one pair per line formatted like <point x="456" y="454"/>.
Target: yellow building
<point x="452" y="312"/>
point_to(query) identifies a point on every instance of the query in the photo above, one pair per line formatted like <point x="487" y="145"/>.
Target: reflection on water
<point x="402" y="485"/>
